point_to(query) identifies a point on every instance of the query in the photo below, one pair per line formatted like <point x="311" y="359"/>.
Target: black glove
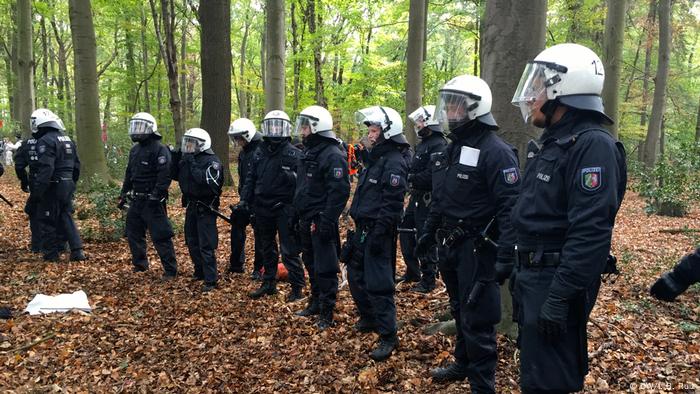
<point x="154" y="202"/>
<point x="325" y="228"/>
<point x="121" y="200"/>
<point x="666" y="288"/>
<point x="505" y="261"/>
<point x="241" y="209"/>
<point x="25" y="187"/>
<point x="188" y="158"/>
<point x="551" y="323"/>
<point x="28" y="207"/>
<point x="376" y="240"/>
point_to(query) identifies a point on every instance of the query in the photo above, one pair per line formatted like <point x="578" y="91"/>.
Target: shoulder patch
<point x="162" y="159"/>
<point x="337" y="173"/>
<point x="591" y="178"/>
<point x="394" y="180"/>
<point x="215" y="165"/>
<point x="41" y="148"/>
<point x="510" y="175"/>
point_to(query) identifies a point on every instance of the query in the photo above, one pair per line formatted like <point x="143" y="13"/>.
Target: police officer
<point x="572" y="188"/>
<point x="323" y="188"/>
<point x="376" y="209"/>
<point x="53" y="186"/>
<point x="200" y="174"/>
<point x="269" y="190"/>
<point x="242" y="132"/>
<point x="429" y="130"/>
<point x="146" y="182"/>
<point x="475" y="184"/>
<point x="26" y="166"/>
<point x="673" y="283"/>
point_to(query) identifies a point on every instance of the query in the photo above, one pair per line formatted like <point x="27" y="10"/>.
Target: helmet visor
<point x="420" y="119"/>
<point x="191" y="144"/>
<point x="531" y="86"/>
<point x="140" y="127"/>
<point x="236" y="137"/>
<point x="453" y="109"/>
<point x="276" y="128"/>
<point x="305" y="125"/>
<point x="372" y="116"/>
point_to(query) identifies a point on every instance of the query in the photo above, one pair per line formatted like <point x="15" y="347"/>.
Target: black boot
<point x="386" y="345"/>
<point x="312" y="308"/>
<point x="452" y="372"/>
<point x="295" y="295"/>
<point x="267" y="288"/>
<point x="423" y="287"/>
<point x="77" y="255"/>
<point x="325" y="319"/>
<point x="365" y="325"/>
<point x="407" y="278"/>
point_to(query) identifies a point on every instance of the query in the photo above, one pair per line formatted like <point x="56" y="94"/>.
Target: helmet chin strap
<point x="548" y="109"/>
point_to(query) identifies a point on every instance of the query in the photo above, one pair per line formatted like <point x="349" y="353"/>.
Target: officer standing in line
<point x="572" y="188"/>
<point x="376" y="210"/>
<point x="26" y="158"/>
<point x="429" y="130"/>
<point x="243" y="133"/>
<point x="323" y="188"/>
<point x="475" y="184"/>
<point x="53" y="186"/>
<point x="200" y="174"/>
<point x="269" y="190"/>
<point x="673" y="283"/>
<point x="146" y="181"/>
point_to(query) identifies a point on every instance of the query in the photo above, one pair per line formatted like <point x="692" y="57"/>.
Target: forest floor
<point x="147" y="336"/>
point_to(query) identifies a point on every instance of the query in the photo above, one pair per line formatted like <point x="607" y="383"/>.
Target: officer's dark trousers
<point x="202" y="239"/>
<point x="462" y="270"/>
<point x="56" y="220"/>
<point x="321" y="262"/>
<point x="266" y="229"/>
<point x="238" y="238"/>
<point x="688" y="269"/>
<point x="372" y="285"/>
<point x="547" y="366"/>
<point x="35" y="226"/>
<point x="408" y="243"/>
<point x="151" y="215"/>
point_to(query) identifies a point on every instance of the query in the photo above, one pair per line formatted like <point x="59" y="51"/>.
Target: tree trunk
<point x="166" y="43"/>
<point x="183" y="73"/>
<point x="131" y="95"/>
<point x="659" y="103"/>
<point x="87" y="109"/>
<point x="296" y="48"/>
<point x="414" y="63"/>
<point x="45" y="63"/>
<point x="314" y="19"/>
<point x="214" y="19"/>
<point x="243" y="85"/>
<point x="697" y="125"/>
<point x="612" y="59"/>
<point x="63" y="82"/>
<point x="651" y="17"/>
<point x="275" y="32"/>
<point x="144" y="59"/>
<point x="513" y="34"/>
<point x="14" y="64"/>
<point x="25" y="63"/>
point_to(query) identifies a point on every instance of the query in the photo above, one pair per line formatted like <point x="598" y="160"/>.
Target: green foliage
<point x="102" y="221"/>
<point x="673" y="184"/>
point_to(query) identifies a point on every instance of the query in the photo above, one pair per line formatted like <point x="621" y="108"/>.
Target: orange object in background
<point x="352" y="160"/>
<point x="282" y="273"/>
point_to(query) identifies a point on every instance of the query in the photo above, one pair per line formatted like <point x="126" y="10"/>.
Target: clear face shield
<point x="140" y="128"/>
<point x="531" y="88"/>
<point x="276" y="128"/>
<point x="191" y="144"/>
<point x="453" y="109"/>
<point x="419" y="119"/>
<point x="305" y="126"/>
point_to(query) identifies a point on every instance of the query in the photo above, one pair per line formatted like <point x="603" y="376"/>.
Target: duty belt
<point x="537" y="259"/>
<point x="451" y="232"/>
<point x="141" y="196"/>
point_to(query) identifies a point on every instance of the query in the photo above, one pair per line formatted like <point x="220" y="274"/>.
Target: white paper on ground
<point x="469" y="156"/>
<point x="60" y="303"/>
